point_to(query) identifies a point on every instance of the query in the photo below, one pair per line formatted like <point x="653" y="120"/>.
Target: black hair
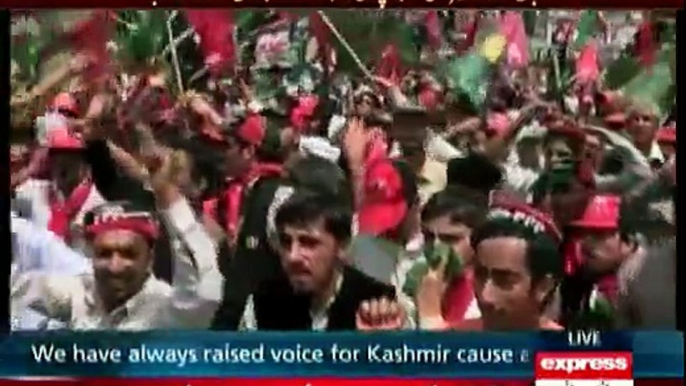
<point x="474" y="171"/>
<point x="542" y="255"/>
<point x="208" y="163"/>
<point x="320" y="175"/>
<point x="463" y="207"/>
<point x="306" y="207"/>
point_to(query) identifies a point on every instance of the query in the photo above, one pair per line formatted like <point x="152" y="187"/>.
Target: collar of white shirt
<point x="136" y="304"/>
<point x="320" y="316"/>
<point x="656" y="153"/>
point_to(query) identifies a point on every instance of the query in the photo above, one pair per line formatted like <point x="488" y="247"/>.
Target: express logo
<point x="570" y="365"/>
<point x="584" y="365"/>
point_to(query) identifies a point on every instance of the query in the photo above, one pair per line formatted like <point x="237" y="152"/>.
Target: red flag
<point x="587" y="70"/>
<point x="389" y="65"/>
<point x="320" y="31"/>
<point x="433" y="29"/>
<point x="215" y="27"/>
<point x="470" y="29"/>
<point x="513" y="29"/>
<point x="90" y="37"/>
<point x="645" y="44"/>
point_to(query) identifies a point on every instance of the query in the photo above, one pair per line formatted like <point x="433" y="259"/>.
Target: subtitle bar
<point x="539" y="4"/>
<point x="295" y="382"/>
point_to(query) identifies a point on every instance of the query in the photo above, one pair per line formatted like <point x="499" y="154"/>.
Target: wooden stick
<point x="345" y="44"/>
<point x="175" y="56"/>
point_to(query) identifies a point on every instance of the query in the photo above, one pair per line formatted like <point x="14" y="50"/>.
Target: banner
<point x="403" y="354"/>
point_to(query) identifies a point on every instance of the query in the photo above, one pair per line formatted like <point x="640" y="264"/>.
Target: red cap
<point x="65" y="102"/>
<point x="62" y="139"/>
<point x="666" y="135"/>
<point x="252" y="130"/>
<point x="602" y="212"/>
<point x="384" y="206"/>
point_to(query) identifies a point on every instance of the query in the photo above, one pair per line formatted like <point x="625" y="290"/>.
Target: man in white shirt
<point x="35" y="249"/>
<point x="59" y="202"/>
<point x="121" y="292"/>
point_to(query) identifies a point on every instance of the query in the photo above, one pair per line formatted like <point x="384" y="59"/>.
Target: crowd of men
<point x="136" y="209"/>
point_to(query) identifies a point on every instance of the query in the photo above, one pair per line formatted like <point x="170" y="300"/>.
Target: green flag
<point x="654" y="86"/>
<point x="621" y="71"/>
<point x="586" y="28"/>
<point x="143" y="38"/>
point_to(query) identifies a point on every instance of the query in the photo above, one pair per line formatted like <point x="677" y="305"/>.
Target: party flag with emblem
<point x="468" y="76"/>
<point x="513" y="29"/>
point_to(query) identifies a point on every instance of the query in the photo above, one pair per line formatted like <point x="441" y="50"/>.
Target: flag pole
<point x="345" y="44"/>
<point x="174" y="53"/>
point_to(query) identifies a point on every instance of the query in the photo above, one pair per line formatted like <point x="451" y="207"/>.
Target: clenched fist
<point x="380" y="315"/>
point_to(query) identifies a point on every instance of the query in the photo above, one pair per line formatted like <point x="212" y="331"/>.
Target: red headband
<point x="143" y="226"/>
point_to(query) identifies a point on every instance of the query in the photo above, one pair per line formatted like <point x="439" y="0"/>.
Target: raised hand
<point x="431" y="290"/>
<point x="355" y="141"/>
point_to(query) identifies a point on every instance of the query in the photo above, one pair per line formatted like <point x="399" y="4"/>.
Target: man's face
<point x="558" y="152"/>
<point x="593" y="149"/>
<point x="365" y="106"/>
<point x="503" y="286"/>
<point x="567" y="202"/>
<point x="238" y="159"/>
<point x="122" y="261"/>
<point x="66" y="169"/>
<point x="642" y="127"/>
<point x="309" y="256"/>
<point x="603" y="250"/>
<point x="454" y="234"/>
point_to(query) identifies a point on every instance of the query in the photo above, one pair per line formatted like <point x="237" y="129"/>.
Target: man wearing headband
<point x="516" y="271"/>
<point x="122" y="293"/>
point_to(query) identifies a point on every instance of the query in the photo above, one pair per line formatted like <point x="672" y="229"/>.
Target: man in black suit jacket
<point x="318" y="290"/>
